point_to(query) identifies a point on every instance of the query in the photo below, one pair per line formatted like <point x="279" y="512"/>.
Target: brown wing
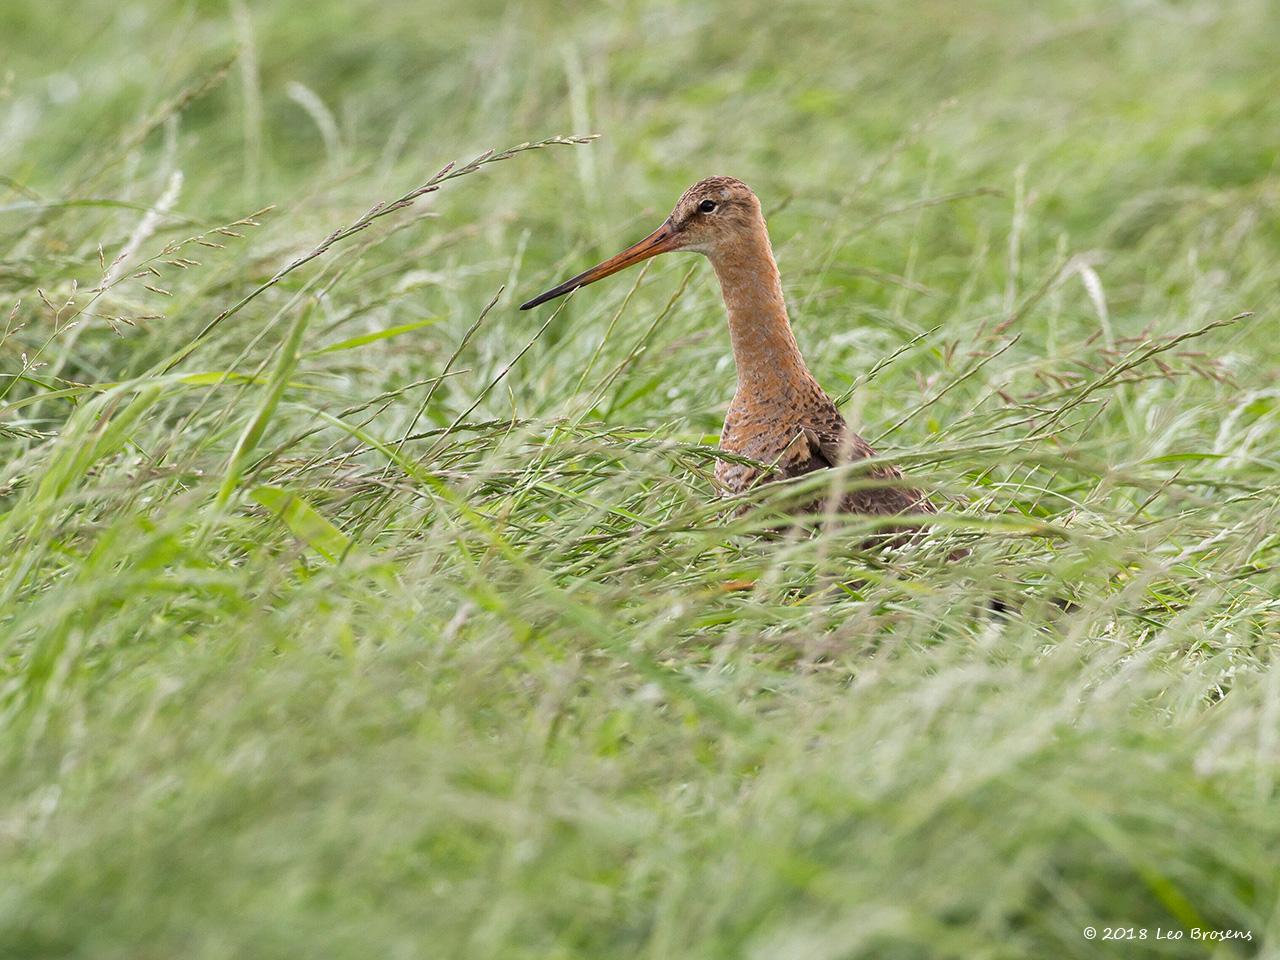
<point x="826" y="442"/>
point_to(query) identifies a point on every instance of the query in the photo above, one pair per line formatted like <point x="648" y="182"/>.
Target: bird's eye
<point x="706" y="206"/>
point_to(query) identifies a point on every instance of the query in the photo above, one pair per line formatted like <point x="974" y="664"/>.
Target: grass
<point x="349" y="612"/>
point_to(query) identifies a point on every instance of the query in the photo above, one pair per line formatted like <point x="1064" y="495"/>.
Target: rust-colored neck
<point x="764" y="348"/>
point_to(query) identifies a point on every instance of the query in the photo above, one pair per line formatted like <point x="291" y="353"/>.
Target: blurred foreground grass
<point x="326" y="629"/>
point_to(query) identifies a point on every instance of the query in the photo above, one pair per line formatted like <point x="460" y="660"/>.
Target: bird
<point x="780" y="423"/>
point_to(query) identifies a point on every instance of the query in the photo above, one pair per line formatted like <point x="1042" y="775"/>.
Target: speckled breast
<point x="761" y="435"/>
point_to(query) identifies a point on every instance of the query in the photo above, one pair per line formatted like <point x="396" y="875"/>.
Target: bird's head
<point x="710" y="217"/>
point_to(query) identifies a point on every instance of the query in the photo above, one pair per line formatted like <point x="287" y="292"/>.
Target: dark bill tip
<point x="540" y="299"/>
<point x="561" y="289"/>
<point x="660" y="241"/>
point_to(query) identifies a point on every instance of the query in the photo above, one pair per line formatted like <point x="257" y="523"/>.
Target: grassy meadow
<point x="348" y="612"/>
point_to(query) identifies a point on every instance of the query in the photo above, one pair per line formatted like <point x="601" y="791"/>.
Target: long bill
<point x="660" y="241"/>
